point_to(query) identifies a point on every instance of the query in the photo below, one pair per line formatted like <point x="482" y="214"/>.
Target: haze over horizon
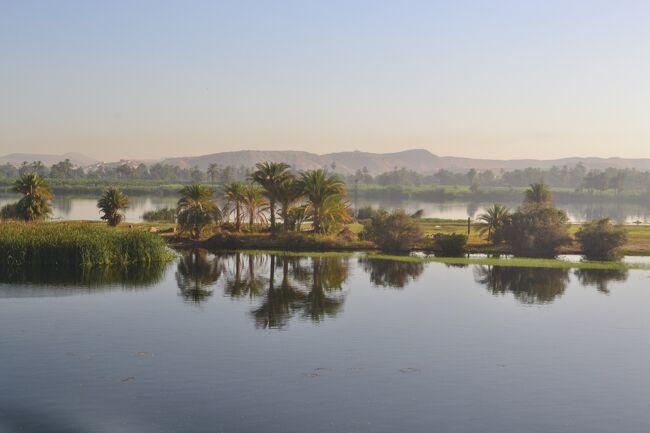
<point x="504" y="80"/>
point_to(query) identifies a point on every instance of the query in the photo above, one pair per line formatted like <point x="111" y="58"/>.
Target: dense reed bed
<point x="78" y="244"/>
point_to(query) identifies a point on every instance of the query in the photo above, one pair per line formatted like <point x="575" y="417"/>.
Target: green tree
<point x="322" y="190"/>
<point x="270" y="175"/>
<point x="601" y="240"/>
<point x="197" y="209"/>
<point x="392" y="231"/>
<point x="538" y="193"/>
<point x="255" y="204"/>
<point x="35" y="203"/>
<point x="234" y="193"/>
<point x="493" y="221"/>
<point x="112" y="204"/>
<point x="213" y="171"/>
<point x="537" y="231"/>
<point x="289" y="193"/>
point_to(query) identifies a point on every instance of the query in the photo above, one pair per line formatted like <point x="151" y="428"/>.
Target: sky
<point x="486" y="79"/>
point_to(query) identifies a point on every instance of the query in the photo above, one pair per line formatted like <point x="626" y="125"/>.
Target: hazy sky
<point x="504" y="79"/>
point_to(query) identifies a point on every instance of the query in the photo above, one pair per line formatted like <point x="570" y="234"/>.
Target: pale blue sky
<point x="505" y="79"/>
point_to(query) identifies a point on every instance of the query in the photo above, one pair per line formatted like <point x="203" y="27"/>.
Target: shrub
<point x="10" y="212"/>
<point x="366" y="212"/>
<point x="601" y="240"/>
<point x="537" y="231"/>
<point x="451" y="245"/>
<point x="392" y="231"/>
<point x="165" y="214"/>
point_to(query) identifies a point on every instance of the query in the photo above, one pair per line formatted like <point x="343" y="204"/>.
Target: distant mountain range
<point x="418" y="160"/>
<point x="18" y="158"/>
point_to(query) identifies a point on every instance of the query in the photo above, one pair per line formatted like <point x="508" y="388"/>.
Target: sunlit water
<point x="261" y="343"/>
<point x="85" y="208"/>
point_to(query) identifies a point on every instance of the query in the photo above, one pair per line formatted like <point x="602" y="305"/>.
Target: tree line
<point x="577" y="177"/>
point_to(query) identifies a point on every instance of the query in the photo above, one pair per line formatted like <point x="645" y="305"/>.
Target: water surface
<point x="265" y="343"/>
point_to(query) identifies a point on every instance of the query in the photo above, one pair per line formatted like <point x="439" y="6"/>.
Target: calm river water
<point x="85" y="208"/>
<point x="263" y="343"/>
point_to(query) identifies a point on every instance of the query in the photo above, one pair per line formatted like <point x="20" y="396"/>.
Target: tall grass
<point x="23" y="244"/>
<point x="165" y="214"/>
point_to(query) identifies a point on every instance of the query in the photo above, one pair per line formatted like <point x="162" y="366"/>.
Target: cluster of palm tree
<point x="273" y="191"/>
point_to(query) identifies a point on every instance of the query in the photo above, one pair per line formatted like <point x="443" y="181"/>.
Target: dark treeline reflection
<point x="281" y="287"/>
<point x="541" y="285"/>
<point x="391" y="273"/>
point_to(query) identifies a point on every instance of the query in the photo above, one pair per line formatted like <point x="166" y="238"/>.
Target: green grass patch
<point x="78" y="244"/>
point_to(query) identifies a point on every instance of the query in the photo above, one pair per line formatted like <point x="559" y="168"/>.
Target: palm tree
<point x="538" y="193"/>
<point x="270" y="175"/>
<point x="35" y="204"/>
<point x="111" y="205"/>
<point x="197" y="209"/>
<point x="322" y="190"/>
<point x="255" y="204"/>
<point x="493" y="219"/>
<point x="213" y="169"/>
<point x="234" y="194"/>
<point x="288" y="193"/>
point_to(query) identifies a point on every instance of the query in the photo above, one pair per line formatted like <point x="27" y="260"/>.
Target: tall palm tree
<point x="111" y="205"/>
<point x="35" y="203"/>
<point x="197" y="209"/>
<point x="289" y="193"/>
<point x="493" y="219"/>
<point x="538" y="193"/>
<point x="321" y="189"/>
<point x="255" y="204"/>
<point x="212" y="171"/>
<point x="270" y="175"/>
<point x="234" y="194"/>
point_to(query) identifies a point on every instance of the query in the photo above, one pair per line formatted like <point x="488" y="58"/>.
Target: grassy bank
<point x="77" y="243"/>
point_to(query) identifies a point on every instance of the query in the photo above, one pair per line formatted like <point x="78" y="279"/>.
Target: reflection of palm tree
<point x="196" y="273"/>
<point x="328" y="275"/>
<point x="528" y="285"/>
<point x="600" y="277"/>
<point x="391" y="273"/>
<point x="280" y="302"/>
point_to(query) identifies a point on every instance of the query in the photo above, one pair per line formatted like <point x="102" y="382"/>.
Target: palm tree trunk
<point x="285" y="217"/>
<point x="237" y="216"/>
<point x="251" y="215"/>
<point x="272" y="209"/>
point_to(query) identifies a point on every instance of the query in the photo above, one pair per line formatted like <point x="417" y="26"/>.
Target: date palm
<point x="112" y="204"/>
<point x="321" y="190"/>
<point x="270" y="175"/>
<point x="234" y="193"/>
<point x="197" y="209"/>
<point x="493" y="220"/>
<point x="255" y="204"/>
<point x="289" y="193"/>
<point x="538" y="193"/>
<point x="35" y="203"/>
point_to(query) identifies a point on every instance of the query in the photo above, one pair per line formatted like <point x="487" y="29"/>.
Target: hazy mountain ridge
<point x="419" y="160"/>
<point x="77" y="159"/>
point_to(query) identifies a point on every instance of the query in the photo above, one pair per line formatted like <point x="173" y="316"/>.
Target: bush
<point x="450" y="245"/>
<point x="601" y="240"/>
<point x="167" y="215"/>
<point x="537" y="231"/>
<point x="10" y="212"/>
<point x="394" y="231"/>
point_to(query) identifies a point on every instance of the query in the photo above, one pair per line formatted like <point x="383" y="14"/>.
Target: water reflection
<point x="69" y="280"/>
<point x="197" y="271"/>
<point x="528" y="285"/>
<point x="600" y="278"/>
<point x="391" y="273"/>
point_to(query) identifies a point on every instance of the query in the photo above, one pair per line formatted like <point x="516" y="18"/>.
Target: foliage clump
<point x="601" y="240"/>
<point x="450" y="245"/>
<point x="392" y="231"/>
<point x="537" y="230"/>
<point x="165" y="214"/>
<point x="111" y="205"/>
